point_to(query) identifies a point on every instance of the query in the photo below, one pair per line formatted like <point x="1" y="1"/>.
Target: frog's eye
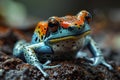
<point x="53" y="24"/>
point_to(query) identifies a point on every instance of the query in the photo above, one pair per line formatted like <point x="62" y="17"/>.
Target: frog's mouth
<point x="69" y="37"/>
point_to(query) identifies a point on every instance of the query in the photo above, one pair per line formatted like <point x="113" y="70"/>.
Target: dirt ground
<point x="12" y="68"/>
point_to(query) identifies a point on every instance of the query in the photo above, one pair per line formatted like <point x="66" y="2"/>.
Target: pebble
<point x="1" y="72"/>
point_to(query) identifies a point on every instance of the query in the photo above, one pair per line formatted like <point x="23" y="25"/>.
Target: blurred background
<point x="21" y="15"/>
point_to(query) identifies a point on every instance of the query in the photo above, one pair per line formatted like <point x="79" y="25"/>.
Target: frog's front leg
<point x="30" y="56"/>
<point x="96" y="52"/>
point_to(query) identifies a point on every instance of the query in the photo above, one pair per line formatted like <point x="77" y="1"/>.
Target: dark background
<point x="47" y="8"/>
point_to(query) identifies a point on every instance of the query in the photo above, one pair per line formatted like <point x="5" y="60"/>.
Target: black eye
<point x="52" y="22"/>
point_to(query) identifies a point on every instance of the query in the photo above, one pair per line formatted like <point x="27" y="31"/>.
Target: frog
<point x="58" y="37"/>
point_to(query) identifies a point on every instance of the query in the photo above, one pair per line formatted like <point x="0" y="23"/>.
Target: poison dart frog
<point x="60" y="37"/>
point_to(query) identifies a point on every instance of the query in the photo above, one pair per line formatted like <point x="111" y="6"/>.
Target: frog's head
<point x="68" y="26"/>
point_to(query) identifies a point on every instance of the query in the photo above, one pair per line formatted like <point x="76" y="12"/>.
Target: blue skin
<point x="29" y="51"/>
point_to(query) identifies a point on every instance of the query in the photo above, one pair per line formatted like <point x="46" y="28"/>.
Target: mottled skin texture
<point x="60" y="37"/>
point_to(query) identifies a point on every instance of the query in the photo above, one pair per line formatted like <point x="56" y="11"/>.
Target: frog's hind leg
<point x="26" y="50"/>
<point x="31" y="58"/>
<point x="18" y="50"/>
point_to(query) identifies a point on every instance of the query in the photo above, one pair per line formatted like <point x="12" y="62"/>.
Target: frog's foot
<point x="107" y="65"/>
<point x="47" y="67"/>
<point x="81" y="54"/>
<point x="41" y="67"/>
<point x="99" y="60"/>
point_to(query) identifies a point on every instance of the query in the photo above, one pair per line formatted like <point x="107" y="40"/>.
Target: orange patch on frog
<point x="68" y="21"/>
<point x="81" y="17"/>
<point x="65" y="24"/>
<point x="41" y="29"/>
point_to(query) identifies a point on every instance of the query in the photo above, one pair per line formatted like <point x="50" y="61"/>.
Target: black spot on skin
<point x="31" y="62"/>
<point x="57" y="45"/>
<point x="20" y="44"/>
<point x="30" y="58"/>
<point x="79" y="28"/>
<point x="36" y="60"/>
<point x="60" y="31"/>
<point x="33" y="55"/>
<point x="44" y="28"/>
<point x="39" y="40"/>
<point x="36" y="38"/>
<point x="41" y="37"/>
<point x="70" y="28"/>
<point x="75" y="24"/>
<point x="97" y="48"/>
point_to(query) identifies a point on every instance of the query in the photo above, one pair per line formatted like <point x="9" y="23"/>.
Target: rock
<point x="1" y="72"/>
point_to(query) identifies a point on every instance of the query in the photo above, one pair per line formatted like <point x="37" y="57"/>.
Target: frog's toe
<point x="107" y="65"/>
<point x="47" y="62"/>
<point x="95" y="61"/>
<point x="49" y="67"/>
<point x="90" y="59"/>
<point x="94" y="64"/>
<point x="99" y="60"/>
<point x="46" y="75"/>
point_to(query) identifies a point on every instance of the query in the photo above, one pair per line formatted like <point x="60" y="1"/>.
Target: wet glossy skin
<point x="60" y="37"/>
